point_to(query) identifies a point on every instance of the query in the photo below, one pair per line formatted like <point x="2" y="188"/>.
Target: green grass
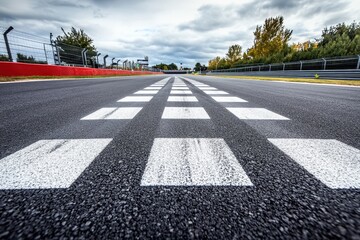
<point x="286" y="79"/>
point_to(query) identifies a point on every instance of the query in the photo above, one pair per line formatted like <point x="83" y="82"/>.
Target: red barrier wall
<point x="12" y="69"/>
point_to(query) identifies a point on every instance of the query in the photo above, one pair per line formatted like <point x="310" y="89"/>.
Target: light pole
<point x="117" y="63"/>
<point x="105" y="60"/>
<point x="112" y="63"/>
<point x="97" y="58"/>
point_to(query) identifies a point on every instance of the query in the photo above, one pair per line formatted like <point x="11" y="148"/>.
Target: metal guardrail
<point x="335" y="63"/>
<point x="17" y="46"/>
<point x="352" y="74"/>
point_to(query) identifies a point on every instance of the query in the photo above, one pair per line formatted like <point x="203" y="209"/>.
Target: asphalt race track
<point x="179" y="157"/>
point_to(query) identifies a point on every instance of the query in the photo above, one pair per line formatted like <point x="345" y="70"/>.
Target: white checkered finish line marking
<point x="147" y="92"/>
<point x="334" y="163"/>
<point x="215" y="92"/>
<point x="114" y="113"/>
<point x="208" y="88"/>
<point x="49" y="163"/>
<point x="255" y="114"/>
<point x="185" y="113"/>
<point x="152" y="88"/>
<point x="228" y="99"/>
<point x="136" y="99"/>
<point x="182" y="99"/>
<point x="193" y="162"/>
<point x="184" y="92"/>
<point x="180" y="88"/>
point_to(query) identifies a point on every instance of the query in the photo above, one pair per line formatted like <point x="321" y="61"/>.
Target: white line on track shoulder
<point x="255" y="114"/>
<point x="182" y="99"/>
<point x="185" y="113"/>
<point x="228" y="99"/>
<point x="49" y="163"/>
<point x="193" y="162"/>
<point x="334" y="163"/>
<point x="114" y="113"/>
<point x="136" y="99"/>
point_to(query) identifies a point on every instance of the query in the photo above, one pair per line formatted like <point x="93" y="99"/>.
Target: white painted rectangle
<point x="182" y="99"/>
<point x="152" y="88"/>
<point x="180" y="92"/>
<point x="136" y="99"/>
<point x="228" y="99"/>
<point x="255" y="114"/>
<point x="215" y="92"/>
<point x="179" y="85"/>
<point x="114" y="113"/>
<point x="49" y="163"/>
<point x="208" y="88"/>
<point x="193" y="162"/>
<point x="180" y="88"/>
<point x="147" y="92"/>
<point x="185" y="113"/>
<point x="334" y="163"/>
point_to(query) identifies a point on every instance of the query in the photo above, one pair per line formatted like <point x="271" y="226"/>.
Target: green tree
<point x="197" y="67"/>
<point x="234" y="54"/>
<point x="4" y="57"/>
<point x="214" y="63"/>
<point x="27" y="59"/>
<point x="270" y="39"/>
<point x="172" y="66"/>
<point x="77" y="38"/>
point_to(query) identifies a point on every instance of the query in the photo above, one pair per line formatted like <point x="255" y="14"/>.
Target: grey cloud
<point x="328" y="9"/>
<point x="211" y="17"/>
<point x="63" y="3"/>
<point x="283" y="4"/>
<point x="47" y="15"/>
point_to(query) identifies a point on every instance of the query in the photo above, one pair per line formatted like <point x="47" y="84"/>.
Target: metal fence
<point x="335" y="63"/>
<point x="17" y="46"/>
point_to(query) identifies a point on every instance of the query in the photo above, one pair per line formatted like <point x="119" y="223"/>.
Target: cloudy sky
<point x="186" y="31"/>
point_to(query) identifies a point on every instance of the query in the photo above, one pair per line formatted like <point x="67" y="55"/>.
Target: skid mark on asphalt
<point x="114" y="113"/>
<point x="193" y="162"/>
<point x="49" y="163"/>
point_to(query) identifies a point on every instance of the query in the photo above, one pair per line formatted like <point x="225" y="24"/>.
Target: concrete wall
<point x="12" y="69"/>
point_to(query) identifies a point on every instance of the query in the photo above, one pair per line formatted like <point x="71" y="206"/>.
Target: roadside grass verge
<point x="304" y="80"/>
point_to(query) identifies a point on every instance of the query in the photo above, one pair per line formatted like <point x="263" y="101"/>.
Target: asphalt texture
<point x="107" y="200"/>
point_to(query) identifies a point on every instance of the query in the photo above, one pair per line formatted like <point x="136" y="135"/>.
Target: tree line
<point x="271" y="45"/>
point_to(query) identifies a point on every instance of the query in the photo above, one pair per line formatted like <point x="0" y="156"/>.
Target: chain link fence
<point x="17" y="46"/>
